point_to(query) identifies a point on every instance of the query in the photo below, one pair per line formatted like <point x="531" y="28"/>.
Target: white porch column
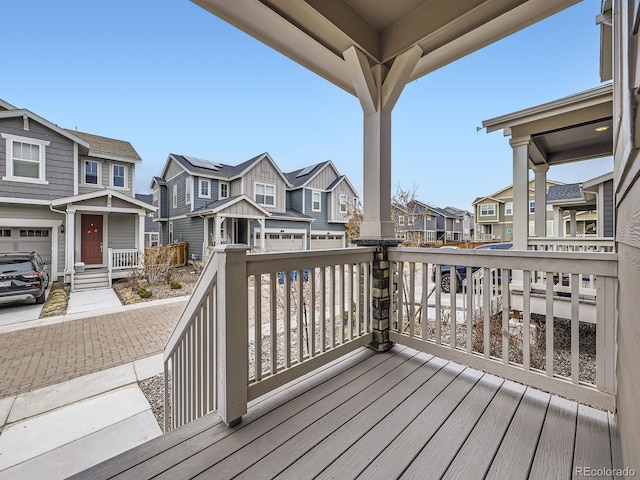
<point x="70" y="235"/>
<point x="558" y="230"/>
<point x="216" y="229"/>
<point x="262" y="234"/>
<point x="205" y="236"/>
<point x="140" y="232"/>
<point x="573" y="226"/>
<point x="378" y="89"/>
<point x="520" y="192"/>
<point x="600" y="211"/>
<point x="540" y="183"/>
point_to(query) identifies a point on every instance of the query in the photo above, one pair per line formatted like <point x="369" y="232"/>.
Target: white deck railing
<point x="476" y="326"/>
<point x="571" y="244"/>
<point x="255" y="322"/>
<point x="123" y="259"/>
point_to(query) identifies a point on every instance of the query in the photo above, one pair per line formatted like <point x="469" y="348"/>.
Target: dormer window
<point x="25" y="159"/>
<point x="118" y="176"/>
<point x="91" y="172"/>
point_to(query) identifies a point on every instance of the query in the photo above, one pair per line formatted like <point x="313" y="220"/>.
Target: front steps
<point x="91" y="279"/>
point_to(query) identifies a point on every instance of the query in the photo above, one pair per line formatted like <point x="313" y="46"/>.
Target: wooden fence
<point x="176" y="254"/>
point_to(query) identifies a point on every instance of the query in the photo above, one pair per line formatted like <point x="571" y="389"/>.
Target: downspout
<point x="66" y="257"/>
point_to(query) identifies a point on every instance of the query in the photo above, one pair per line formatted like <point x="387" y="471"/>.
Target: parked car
<point x="23" y="276"/>
<point x="461" y="271"/>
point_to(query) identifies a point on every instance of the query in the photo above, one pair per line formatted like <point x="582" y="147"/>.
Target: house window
<point x="154" y="239"/>
<point x="155" y="195"/>
<point x="205" y="188"/>
<point x="224" y="190"/>
<point x="316" y="201"/>
<point x="265" y="194"/>
<point x="343" y="203"/>
<point x="532" y="207"/>
<point x="26" y="159"/>
<point x="118" y="176"/>
<point x="5" y="233"/>
<point x="487" y="210"/>
<point x="188" y="188"/>
<point x="401" y="220"/>
<point x="457" y="220"/>
<point x="91" y="172"/>
<point x="170" y="232"/>
<point x="508" y="208"/>
<point x="34" y="233"/>
<point x="410" y="220"/>
<point x="175" y="196"/>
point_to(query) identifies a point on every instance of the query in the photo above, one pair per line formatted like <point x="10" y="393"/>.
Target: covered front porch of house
<point x="104" y="237"/>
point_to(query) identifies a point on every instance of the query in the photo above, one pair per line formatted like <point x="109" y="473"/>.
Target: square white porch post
<point x="540" y="214"/>
<point x="141" y="227"/>
<point x="70" y="235"/>
<point x="558" y="229"/>
<point x="520" y="192"/>
<point x="262" y="234"/>
<point x="573" y="225"/>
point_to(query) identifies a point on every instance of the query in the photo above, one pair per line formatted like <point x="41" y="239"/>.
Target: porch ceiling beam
<point x="537" y="155"/>
<point x="583" y="153"/>
<point x="495" y="29"/>
<point x="362" y="78"/>
<point x="398" y="76"/>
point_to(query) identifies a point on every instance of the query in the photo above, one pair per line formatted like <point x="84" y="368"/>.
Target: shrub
<point x="144" y="292"/>
<point x="176" y="285"/>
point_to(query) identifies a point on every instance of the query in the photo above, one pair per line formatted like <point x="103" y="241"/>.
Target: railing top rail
<point x="605" y="241"/>
<point x="258" y="263"/>
<point x="124" y="250"/>
<point x="596" y="263"/>
<point x="205" y="282"/>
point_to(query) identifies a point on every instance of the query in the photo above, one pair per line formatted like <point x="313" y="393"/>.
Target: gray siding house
<point x="69" y="196"/>
<point x="206" y="203"/>
<point x="421" y="223"/>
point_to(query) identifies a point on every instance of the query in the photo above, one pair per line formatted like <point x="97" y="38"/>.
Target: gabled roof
<point x="338" y="181"/>
<point x="103" y="193"/>
<point x="598" y="180"/>
<point x="490" y="197"/>
<point x="219" y="205"/>
<point x="21" y="112"/>
<point x="563" y="193"/>
<point x="301" y="177"/>
<point x="495" y="196"/>
<point x="158" y="180"/>
<point x="110" y="148"/>
<point x="206" y="168"/>
<point x="6" y="105"/>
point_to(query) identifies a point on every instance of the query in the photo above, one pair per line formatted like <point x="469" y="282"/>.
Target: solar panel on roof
<point x="305" y="171"/>
<point x="199" y="162"/>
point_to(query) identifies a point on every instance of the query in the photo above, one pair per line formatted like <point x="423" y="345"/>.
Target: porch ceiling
<point x="316" y="33"/>
<point x="564" y="130"/>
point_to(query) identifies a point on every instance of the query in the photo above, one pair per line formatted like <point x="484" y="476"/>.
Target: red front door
<point x="91" y="239"/>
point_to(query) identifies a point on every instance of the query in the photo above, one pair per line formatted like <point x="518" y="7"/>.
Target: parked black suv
<point x="23" y="276"/>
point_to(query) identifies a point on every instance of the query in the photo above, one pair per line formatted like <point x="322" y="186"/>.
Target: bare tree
<point x="354" y="215"/>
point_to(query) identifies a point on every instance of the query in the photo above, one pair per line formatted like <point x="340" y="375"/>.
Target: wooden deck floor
<point x="400" y="414"/>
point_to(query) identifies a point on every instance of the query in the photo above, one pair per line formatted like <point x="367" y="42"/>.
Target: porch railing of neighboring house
<point x="571" y="244"/>
<point x="123" y="259"/>
<point x="255" y="322"/>
<point x="486" y="335"/>
<point x="485" y="237"/>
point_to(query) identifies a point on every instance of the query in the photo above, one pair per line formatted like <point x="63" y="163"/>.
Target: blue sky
<point x="171" y="78"/>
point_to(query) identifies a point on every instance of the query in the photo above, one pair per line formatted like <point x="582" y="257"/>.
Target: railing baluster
<point x="487" y="312"/>
<point x="412" y="299"/>
<point x="453" y="309"/>
<point x="342" y="306"/>
<point x="506" y="308"/>
<point x="400" y="312"/>
<point x="287" y="319"/>
<point x="438" y="290"/>
<point x="273" y="327"/>
<point x="349" y="272"/>
<point x="575" y="328"/>
<point x="358" y="288"/>
<point x="424" y="312"/>
<point x="549" y="324"/>
<point x="526" y="321"/>
<point x="332" y="317"/>
<point x="300" y="319"/>
<point x="323" y="309"/>
<point x="257" y="325"/>
<point x="312" y="312"/>
<point x="198" y="364"/>
<point x="470" y="310"/>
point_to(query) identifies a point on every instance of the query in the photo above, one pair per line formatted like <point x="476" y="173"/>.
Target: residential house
<point x="494" y="214"/>
<point x="584" y="209"/>
<point x="69" y="196"/>
<point x="206" y="203"/>
<point x="420" y="223"/>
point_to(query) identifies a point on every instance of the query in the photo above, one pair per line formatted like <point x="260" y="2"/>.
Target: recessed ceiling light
<point x="602" y="129"/>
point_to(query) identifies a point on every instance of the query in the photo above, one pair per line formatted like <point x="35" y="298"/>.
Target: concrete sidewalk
<point x="56" y="431"/>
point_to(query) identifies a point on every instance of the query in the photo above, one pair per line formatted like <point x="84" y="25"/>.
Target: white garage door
<point x="319" y="242"/>
<point x="16" y="239"/>
<point x="283" y="242"/>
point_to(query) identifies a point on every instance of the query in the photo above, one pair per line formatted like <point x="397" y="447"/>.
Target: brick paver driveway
<point x="41" y="356"/>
